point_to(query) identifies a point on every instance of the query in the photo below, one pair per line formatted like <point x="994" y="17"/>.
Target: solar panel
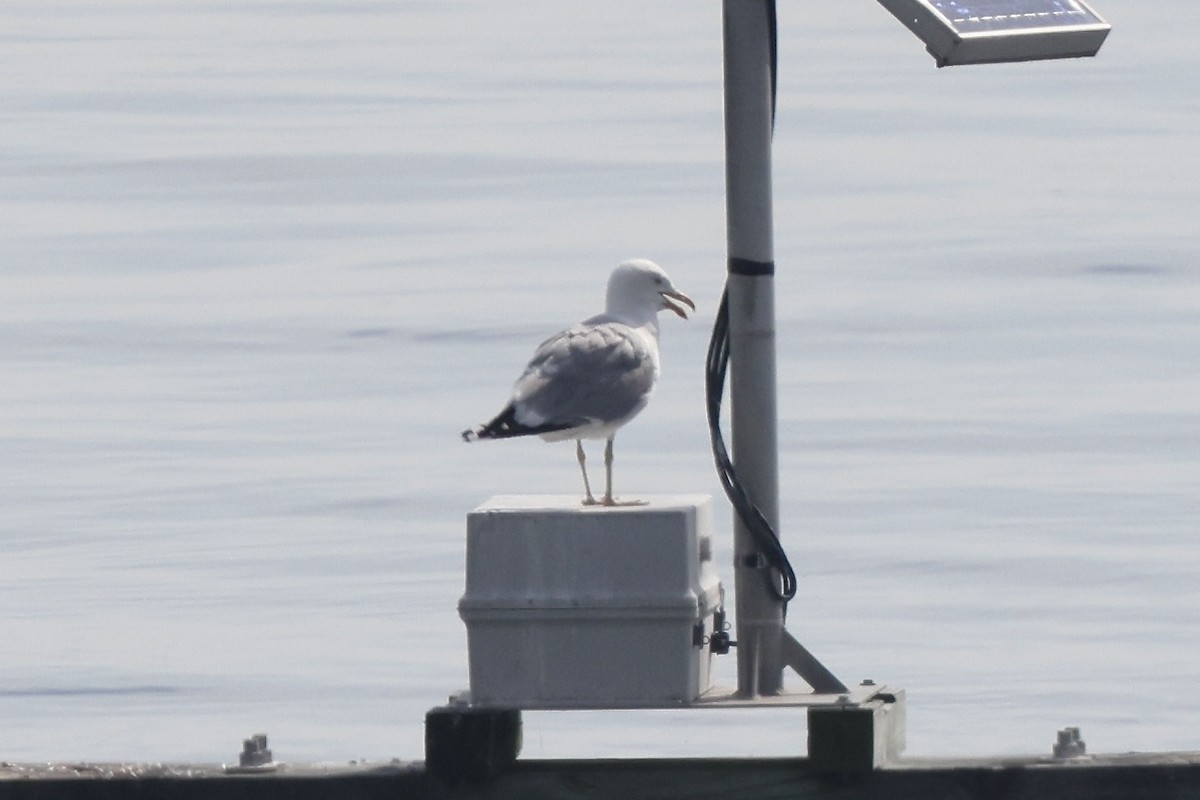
<point x="1010" y="15"/>
<point x="983" y="31"/>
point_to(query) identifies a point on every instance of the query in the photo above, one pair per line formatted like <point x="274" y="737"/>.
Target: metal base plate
<point x="718" y="697"/>
<point x="729" y="698"/>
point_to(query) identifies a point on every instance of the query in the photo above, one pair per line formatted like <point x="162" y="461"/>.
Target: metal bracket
<point x="806" y="665"/>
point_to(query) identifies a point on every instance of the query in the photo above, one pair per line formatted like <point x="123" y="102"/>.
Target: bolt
<point x="255" y="752"/>
<point x="1069" y="744"/>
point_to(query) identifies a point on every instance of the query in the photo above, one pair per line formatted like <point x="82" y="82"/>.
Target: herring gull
<point x="587" y="381"/>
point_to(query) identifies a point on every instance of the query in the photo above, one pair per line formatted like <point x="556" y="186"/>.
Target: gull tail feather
<point x="506" y="426"/>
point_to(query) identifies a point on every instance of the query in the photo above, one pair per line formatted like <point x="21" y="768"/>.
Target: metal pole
<point x="751" y="291"/>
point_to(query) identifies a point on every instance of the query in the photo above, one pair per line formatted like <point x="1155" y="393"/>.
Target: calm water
<point x="258" y="267"/>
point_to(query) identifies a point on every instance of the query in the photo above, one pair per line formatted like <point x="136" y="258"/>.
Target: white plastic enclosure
<point x="568" y="606"/>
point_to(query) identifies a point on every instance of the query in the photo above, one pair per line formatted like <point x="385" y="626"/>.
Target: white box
<point x="572" y="606"/>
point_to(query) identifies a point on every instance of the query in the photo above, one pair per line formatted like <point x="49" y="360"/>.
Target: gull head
<point x="638" y="289"/>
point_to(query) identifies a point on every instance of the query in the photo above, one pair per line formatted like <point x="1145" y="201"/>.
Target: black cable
<point x="773" y="32"/>
<point x="715" y="368"/>
<point x="764" y="536"/>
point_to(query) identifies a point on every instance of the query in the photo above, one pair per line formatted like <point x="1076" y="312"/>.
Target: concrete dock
<point x="1152" y="776"/>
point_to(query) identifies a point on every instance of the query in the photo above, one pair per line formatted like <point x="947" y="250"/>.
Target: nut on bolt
<point x="255" y="752"/>
<point x="254" y="758"/>
<point x="1069" y="744"/>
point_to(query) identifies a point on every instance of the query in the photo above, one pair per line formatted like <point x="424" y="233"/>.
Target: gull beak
<point x="669" y="303"/>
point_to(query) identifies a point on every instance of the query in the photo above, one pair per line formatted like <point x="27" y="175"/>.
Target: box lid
<point x="551" y="552"/>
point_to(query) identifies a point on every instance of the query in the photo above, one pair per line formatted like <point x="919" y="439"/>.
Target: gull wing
<point x="590" y="374"/>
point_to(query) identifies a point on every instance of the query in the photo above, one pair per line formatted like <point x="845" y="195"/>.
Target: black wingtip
<point x="506" y="426"/>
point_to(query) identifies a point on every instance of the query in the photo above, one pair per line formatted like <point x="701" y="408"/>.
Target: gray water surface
<point x="259" y="265"/>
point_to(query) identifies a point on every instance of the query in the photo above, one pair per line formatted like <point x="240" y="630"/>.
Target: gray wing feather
<point x="585" y="374"/>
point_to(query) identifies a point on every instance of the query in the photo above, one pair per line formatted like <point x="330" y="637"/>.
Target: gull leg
<point x="608" y="459"/>
<point x="609" y="500"/>
<point x="588" y="500"/>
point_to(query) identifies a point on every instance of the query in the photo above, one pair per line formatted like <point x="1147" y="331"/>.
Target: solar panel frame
<point x="988" y="31"/>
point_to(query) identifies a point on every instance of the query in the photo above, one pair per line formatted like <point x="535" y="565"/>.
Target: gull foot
<point x="612" y="501"/>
